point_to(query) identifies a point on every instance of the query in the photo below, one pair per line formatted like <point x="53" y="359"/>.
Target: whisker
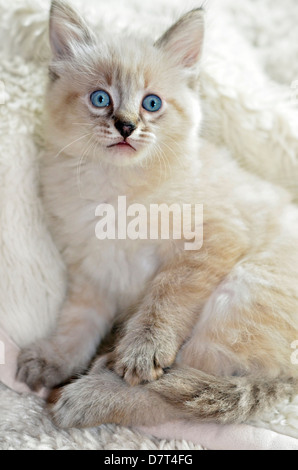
<point x="173" y="152"/>
<point x="162" y="161"/>
<point x="103" y="133"/>
<point x="82" y="124"/>
<point x="71" y="143"/>
<point x="165" y="157"/>
<point x="142" y="141"/>
<point x="96" y="163"/>
<point x="147" y="134"/>
<point x="79" y="166"/>
<point x="177" y="144"/>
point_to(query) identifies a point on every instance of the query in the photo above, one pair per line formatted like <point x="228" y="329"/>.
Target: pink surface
<point x="223" y="437"/>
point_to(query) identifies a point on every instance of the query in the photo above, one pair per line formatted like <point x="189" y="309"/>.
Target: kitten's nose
<point x="125" y="128"/>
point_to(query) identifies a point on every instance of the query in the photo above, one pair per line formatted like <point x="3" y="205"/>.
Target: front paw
<point x="89" y="401"/>
<point x="40" y="366"/>
<point x="69" y="410"/>
<point x="143" y="358"/>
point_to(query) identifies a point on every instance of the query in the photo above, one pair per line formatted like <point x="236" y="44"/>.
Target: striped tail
<point x="224" y="400"/>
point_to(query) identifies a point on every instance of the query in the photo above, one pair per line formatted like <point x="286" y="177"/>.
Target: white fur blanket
<point x="250" y="91"/>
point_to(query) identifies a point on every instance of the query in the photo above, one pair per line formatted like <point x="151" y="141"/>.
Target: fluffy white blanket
<point x="250" y="90"/>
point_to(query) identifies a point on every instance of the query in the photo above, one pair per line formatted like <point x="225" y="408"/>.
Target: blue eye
<point x="152" y="103"/>
<point x="100" y="99"/>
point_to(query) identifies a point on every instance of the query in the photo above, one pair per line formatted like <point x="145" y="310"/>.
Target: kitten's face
<point x="121" y="101"/>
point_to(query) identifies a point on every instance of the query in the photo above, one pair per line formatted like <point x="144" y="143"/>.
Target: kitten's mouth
<point x="123" y="144"/>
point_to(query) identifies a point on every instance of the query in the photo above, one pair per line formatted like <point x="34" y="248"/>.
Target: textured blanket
<point x="250" y="92"/>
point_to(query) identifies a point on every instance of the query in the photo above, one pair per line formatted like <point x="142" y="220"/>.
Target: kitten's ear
<point x="184" y="40"/>
<point x="66" y="30"/>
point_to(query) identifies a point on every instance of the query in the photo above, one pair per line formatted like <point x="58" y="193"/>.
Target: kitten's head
<point x="123" y="99"/>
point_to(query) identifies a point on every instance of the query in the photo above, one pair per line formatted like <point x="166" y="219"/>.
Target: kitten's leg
<point x="250" y="321"/>
<point x="169" y="311"/>
<point x="102" y="396"/>
<point x="183" y="393"/>
<point x="83" y="322"/>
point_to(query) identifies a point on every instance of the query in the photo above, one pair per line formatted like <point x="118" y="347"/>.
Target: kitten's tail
<point x="183" y="393"/>
<point x="221" y="399"/>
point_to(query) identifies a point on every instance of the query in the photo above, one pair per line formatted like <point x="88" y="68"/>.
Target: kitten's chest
<point x="120" y="268"/>
<point x="118" y="265"/>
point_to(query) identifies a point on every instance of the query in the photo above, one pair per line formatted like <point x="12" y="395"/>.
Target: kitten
<point x="206" y="334"/>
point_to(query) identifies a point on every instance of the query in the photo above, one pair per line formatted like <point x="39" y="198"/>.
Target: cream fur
<point x="273" y="155"/>
<point x="247" y="252"/>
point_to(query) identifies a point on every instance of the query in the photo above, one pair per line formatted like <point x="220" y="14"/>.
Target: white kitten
<point x="123" y="120"/>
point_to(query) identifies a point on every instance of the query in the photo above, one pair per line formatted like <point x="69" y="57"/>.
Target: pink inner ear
<point x="59" y="37"/>
<point x="191" y="58"/>
<point x="66" y="27"/>
<point x="184" y="40"/>
<point x="187" y="51"/>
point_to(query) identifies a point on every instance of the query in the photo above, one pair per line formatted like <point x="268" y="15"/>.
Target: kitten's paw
<point x="40" y="366"/>
<point x="87" y="402"/>
<point x="69" y="411"/>
<point x="143" y="360"/>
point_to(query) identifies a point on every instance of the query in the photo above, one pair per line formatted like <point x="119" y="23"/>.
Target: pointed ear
<point x="66" y="29"/>
<point x="184" y="40"/>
